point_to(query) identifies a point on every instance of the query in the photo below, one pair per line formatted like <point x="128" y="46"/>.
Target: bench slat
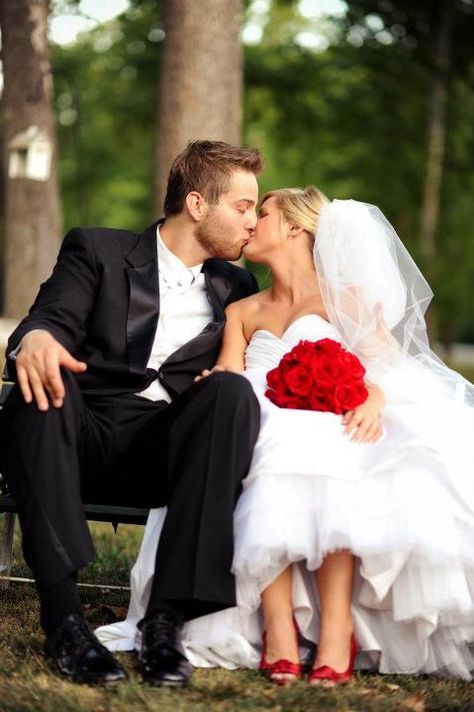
<point x="95" y="512"/>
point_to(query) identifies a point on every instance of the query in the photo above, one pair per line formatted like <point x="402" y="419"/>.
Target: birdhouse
<point x="30" y="155"/>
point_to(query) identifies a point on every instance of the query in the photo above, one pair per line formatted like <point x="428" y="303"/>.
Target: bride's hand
<point x="363" y="423"/>
<point x="208" y="372"/>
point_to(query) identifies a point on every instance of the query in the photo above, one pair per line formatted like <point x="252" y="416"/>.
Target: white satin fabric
<point x="404" y="506"/>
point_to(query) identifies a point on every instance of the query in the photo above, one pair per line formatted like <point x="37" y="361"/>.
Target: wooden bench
<point x="94" y="512"/>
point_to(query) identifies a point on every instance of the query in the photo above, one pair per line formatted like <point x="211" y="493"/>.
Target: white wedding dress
<point x="403" y="505"/>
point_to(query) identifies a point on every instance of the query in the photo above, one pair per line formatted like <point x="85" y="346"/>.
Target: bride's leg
<point x="334" y="582"/>
<point x="278" y="618"/>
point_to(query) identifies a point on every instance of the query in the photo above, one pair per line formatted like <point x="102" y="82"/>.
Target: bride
<point x="352" y="532"/>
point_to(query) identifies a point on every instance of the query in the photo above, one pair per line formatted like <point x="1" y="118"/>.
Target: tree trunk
<point x="201" y="79"/>
<point x="436" y="148"/>
<point x="31" y="204"/>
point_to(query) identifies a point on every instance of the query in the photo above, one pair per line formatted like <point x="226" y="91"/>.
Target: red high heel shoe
<point x="282" y="672"/>
<point x="328" y="677"/>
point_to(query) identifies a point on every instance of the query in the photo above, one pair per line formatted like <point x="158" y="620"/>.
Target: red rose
<point x="287" y="362"/>
<point x="319" y="400"/>
<point x="326" y="369"/>
<point x="352" y="365"/>
<point x="348" y="396"/>
<point x="283" y="399"/>
<point x="303" y="352"/>
<point x="279" y="389"/>
<point x="274" y="378"/>
<point x="319" y="375"/>
<point x="328" y="347"/>
<point x="293" y="402"/>
<point x="299" y="380"/>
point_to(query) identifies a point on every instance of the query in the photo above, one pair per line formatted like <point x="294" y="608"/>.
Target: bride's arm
<point x="363" y="423"/>
<point x="234" y="343"/>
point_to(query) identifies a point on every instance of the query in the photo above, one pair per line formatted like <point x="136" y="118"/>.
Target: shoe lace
<point x="80" y="638"/>
<point x="161" y="631"/>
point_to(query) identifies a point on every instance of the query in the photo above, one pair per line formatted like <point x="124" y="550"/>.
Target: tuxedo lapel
<point x="197" y="346"/>
<point x="144" y="300"/>
<point x="218" y="288"/>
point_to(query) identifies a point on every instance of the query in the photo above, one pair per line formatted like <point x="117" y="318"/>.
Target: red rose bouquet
<point x="318" y="375"/>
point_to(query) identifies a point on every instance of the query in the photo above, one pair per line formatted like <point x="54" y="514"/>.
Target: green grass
<point x="28" y="684"/>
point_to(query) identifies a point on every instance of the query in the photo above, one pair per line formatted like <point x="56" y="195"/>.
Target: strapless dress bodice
<point x="265" y="349"/>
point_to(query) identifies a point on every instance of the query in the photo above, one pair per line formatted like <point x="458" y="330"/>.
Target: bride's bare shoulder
<point x="249" y="306"/>
<point x="249" y="311"/>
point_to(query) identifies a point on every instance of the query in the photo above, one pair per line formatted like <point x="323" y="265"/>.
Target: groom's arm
<point x="38" y="368"/>
<point x="56" y="324"/>
<point x="65" y="300"/>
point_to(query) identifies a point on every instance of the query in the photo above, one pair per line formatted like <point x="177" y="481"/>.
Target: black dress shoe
<point x="162" y="663"/>
<point x="78" y="654"/>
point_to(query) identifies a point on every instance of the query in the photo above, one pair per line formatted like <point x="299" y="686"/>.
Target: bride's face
<point x="268" y="233"/>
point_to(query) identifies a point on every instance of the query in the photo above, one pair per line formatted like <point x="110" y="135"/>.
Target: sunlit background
<point x="339" y="94"/>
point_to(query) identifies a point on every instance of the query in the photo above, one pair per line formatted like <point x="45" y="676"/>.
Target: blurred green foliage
<point x="351" y="118"/>
<point x="106" y="101"/>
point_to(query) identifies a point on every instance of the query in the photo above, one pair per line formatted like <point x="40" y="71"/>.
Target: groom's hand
<point x="38" y="368"/>
<point x="208" y="372"/>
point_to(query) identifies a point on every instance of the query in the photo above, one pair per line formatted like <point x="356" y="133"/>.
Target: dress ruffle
<point x="404" y="506"/>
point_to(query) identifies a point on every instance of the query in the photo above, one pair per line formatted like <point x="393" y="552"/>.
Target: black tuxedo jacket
<point x="102" y="304"/>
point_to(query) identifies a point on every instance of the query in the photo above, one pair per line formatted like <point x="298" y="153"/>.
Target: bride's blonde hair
<point x="300" y="207"/>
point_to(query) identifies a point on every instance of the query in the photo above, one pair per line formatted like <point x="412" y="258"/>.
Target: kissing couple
<point x="306" y="540"/>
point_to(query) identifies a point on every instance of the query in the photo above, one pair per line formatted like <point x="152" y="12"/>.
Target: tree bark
<point x="31" y="207"/>
<point x="201" y="79"/>
<point x="436" y="148"/>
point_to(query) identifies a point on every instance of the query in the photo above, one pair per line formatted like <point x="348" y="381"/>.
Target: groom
<point x="106" y="408"/>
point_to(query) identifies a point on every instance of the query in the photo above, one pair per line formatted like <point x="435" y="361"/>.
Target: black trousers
<point x="190" y="455"/>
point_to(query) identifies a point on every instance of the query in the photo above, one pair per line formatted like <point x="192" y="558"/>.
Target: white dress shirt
<point x="184" y="311"/>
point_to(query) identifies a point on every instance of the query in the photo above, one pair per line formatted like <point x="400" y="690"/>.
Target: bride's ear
<point x="294" y="230"/>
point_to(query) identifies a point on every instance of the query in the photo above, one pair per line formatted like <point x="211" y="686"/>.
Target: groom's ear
<point x="197" y="205"/>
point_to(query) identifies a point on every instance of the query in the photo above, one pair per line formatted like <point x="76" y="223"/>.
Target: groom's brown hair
<point x="207" y="166"/>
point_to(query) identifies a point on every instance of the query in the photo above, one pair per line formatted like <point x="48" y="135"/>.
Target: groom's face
<point x="225" y="230"/>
